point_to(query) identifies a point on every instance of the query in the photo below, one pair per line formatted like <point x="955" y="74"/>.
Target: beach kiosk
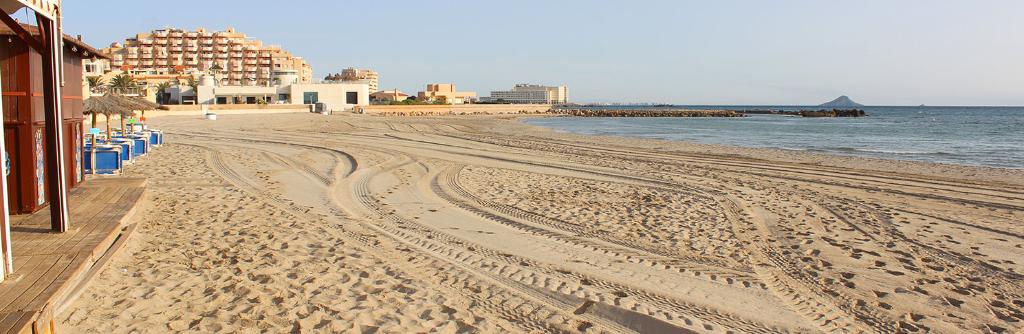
<point x="42" y="121"/>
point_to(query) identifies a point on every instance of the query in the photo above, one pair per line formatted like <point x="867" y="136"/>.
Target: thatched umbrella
<point x="109" y="105"/>
<point x="136" y="103"/>
<point x="144" y="105"/>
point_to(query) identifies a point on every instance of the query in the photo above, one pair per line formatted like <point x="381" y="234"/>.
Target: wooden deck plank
<point x="91" y="223"/>
<point x="75" y="265"/>
<point x="15" y="322"/>
<point x="48" y="245"/>
<point x="35" y="291"/>
<point x="84" y="225"/>
<point x="50" y="265"/>
<point x="34" y="269"/>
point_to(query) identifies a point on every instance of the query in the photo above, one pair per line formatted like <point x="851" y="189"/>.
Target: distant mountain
<point x="841" y="102"/>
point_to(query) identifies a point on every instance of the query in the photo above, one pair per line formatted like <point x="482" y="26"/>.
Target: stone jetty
<point x="833" y="113"/>
<point x="808" y="113"/>
<point x="647" y="113"/>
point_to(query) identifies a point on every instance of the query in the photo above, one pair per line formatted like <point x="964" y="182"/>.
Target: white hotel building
<point x="531" y="94"/>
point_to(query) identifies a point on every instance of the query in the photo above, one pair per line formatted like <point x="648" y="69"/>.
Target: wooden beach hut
<point x="25" y="51"/>
<point x="42" y="120"/>
<point x="44" y="147"/>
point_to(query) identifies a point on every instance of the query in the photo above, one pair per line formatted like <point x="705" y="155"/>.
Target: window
<point x="351" y="98"/>
<point x="310" y="97"/>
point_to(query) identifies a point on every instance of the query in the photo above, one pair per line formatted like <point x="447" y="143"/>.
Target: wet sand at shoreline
<point x="310" y="223"/>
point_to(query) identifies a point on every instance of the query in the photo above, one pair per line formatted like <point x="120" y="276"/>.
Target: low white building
<point x="286" y="90"/>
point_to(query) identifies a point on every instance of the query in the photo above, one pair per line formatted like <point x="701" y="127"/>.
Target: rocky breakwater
<point x="647" y="113"/>
<point x="833" y="113"/>
<point x="809" y="113"/>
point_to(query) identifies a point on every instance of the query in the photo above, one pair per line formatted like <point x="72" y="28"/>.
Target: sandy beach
<point x="344" y="223"/>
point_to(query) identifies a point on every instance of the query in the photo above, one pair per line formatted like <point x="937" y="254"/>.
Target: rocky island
<point x="841" y="102"/>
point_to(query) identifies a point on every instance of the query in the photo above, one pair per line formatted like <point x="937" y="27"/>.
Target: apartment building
<point x="358" y="74"/>
<point x="527" y="93"/>
<point x="245" y="61"/>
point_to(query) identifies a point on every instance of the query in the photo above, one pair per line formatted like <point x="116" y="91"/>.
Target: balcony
<point x="223" y="49"/>
<point x="207" y="49"/>
<point x="264" y="61"/>
<point x="147" y="63"/>
<point x="132" y="91"/>
<point x="146" y="42"/>
<point x="221" y="40"/>
<point x="236" y="55"/>
<point x="176" y="48"/>
<point x="222" y="56"/>
<point x="206" y="41"/>
<point x="206" y="55"/>
<point x="177" y="34"/>
<point x="191" y="47"/>
<point x="236" y="64"/>
<point x="237" y="47"/>
<point x="160" y="33"/>
<point x="250" y="62"/>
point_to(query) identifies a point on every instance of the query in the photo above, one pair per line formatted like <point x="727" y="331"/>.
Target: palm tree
<point x="194" y="84"/>
<point x="123" y="82"/>
<point x="95" y="82"/>
<point x="160" y="88"/>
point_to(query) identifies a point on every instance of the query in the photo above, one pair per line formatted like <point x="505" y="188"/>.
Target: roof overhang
<point x="48" y="8"/>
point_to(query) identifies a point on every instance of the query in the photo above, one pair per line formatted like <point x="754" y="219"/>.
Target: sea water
<point x="988" y="136"/>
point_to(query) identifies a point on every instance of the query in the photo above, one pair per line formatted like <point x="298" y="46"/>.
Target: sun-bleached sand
<point x="344" y="223"/>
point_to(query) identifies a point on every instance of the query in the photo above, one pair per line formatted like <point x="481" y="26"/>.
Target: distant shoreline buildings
<point x="169" y="51"/>
<point x="357" y="74"/>
<point x="530" y="94"/>
<point x="445" y="93"/>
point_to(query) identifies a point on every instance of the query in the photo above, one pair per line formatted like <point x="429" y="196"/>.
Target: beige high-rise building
<point x="527" y="93"/>
<point x="358" y="74"/>
<point x="244" y="61"/>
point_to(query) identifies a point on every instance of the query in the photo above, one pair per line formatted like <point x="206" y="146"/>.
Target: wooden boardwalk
<point x="50" y="268"/>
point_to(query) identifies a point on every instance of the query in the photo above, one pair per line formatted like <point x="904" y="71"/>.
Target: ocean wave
<point x="892" y="151"/>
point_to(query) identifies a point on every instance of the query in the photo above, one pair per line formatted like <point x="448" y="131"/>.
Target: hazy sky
<point x="689" y="52"/>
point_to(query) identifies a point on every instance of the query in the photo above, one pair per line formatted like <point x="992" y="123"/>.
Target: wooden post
<point x="6" y="258"/>
<point x="108" y="128"/>
<point x="52" y="55"/>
